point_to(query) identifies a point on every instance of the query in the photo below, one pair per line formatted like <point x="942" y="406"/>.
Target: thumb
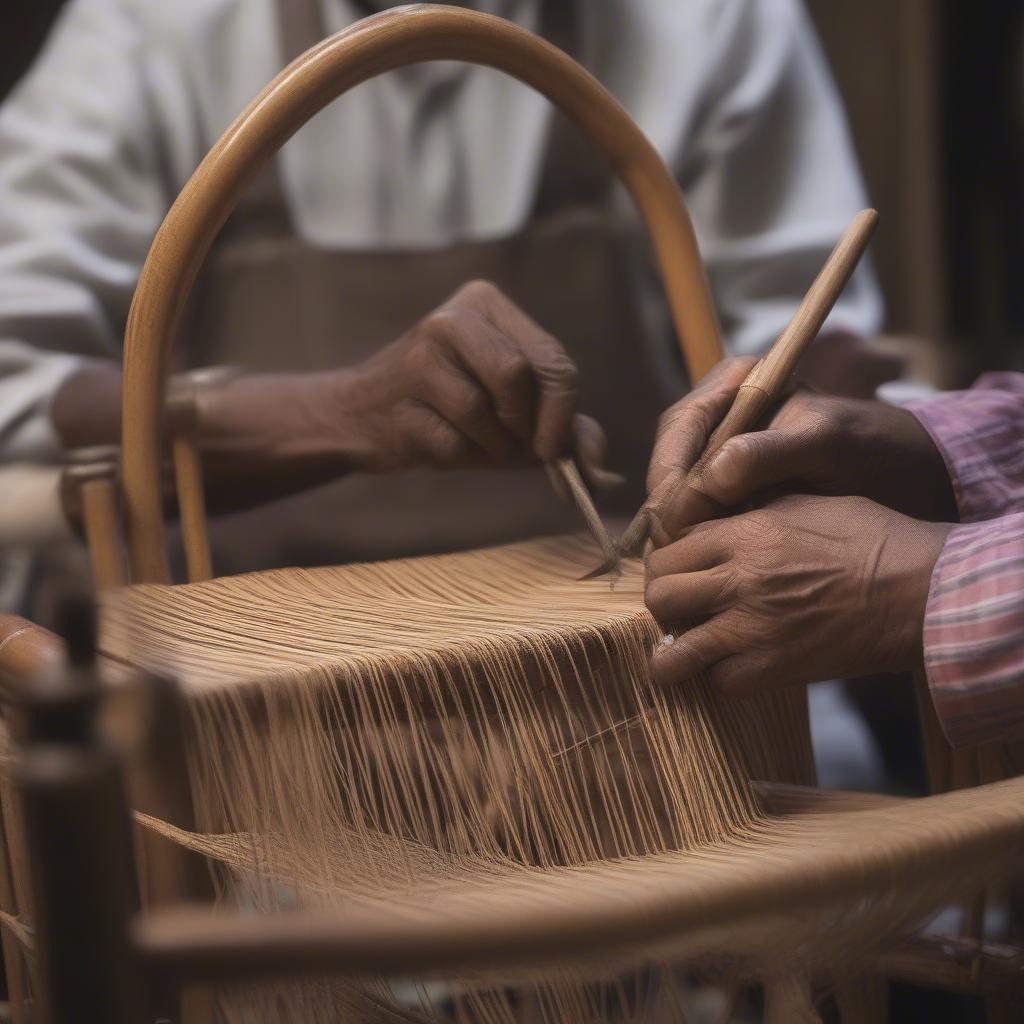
<point x="678" y="659"/>
<point x="591" y="447"/>
<point x="750" y="463"/>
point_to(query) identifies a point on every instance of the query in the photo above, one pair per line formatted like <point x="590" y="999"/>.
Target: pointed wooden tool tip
<point x="862" y="227"/>
<point x="612" y="568"/>
<point x="570" y="473"/>
<point x="631" y="542"/>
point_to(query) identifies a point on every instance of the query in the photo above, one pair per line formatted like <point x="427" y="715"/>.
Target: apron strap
<point x="573" y="174"/>
<point x="301" y="25"/>
<point x="263" y="211"/>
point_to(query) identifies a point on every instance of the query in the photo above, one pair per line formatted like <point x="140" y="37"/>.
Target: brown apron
<point x="269" y="301"/>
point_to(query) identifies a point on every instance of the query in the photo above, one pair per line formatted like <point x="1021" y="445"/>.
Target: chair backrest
<point x="381" y="43"/>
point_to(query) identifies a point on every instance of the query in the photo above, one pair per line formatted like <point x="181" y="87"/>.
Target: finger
<point x="461" y="400"/>
<point x="686" y="507"/>
<point x="557" y="377"/>
<point x="558" y="484"/>
<point x="745" y="674"/>
<point x="750" y="463"/>
<point x="590" y="446"/>
<point x="693" y="652"/>
<point x="494" y="358"/>
<point x="704" y="547"/>
<point x="684" y="429"/>
<point x="426" y="438"/>
<point x="689" y="596"/>
<point x="554" y="373"/>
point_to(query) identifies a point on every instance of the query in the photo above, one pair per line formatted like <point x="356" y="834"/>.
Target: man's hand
<point x="475" y="383"/>
<point x="814" y="443"/>
<point x="807" y="588"/>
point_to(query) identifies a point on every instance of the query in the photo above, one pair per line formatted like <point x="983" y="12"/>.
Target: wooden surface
<point x="77" y="831"/>
<point x="188" y="480"/>
<point x="205" y="945"/>
<point x="381" y="43"/>
<point x="27" y="649"/>
<point x="101" y="521"/>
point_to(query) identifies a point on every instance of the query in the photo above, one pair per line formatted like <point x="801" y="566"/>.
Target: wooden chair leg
<point x="71" y="801"/>
<point x="188" y="475"/>
<point x="14" y="955"/>
<point x="160" y="787"/>
<point x="21" y="887"/>
<point x="90" y="494"/>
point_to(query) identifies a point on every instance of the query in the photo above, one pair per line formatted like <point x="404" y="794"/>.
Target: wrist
<point x="345" y="427"/>
<point x="912" y="553"/>
<point x="927" y="472"/>
<point x="292" y="425"/>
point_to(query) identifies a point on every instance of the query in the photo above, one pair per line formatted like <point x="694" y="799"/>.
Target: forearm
<point x="265" y="436"/>
<point x="261" y="436"/>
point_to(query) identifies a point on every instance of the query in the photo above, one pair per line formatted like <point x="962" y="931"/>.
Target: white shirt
<point x="128" y="95"/>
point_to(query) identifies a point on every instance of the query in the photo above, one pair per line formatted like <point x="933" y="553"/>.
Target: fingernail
<point x="666" y="641"/>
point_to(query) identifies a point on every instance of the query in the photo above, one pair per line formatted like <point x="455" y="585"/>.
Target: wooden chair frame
<point x="101" y="960"/>
<point x="190" y="946"/>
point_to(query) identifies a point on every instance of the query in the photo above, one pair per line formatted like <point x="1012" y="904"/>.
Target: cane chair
<point x="97" y="957"/>
<point x="389" y="944"/>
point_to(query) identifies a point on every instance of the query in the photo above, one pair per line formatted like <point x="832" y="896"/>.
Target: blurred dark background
<point x="935" y="94"/>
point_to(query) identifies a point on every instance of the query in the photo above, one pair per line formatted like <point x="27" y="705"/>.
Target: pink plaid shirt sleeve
<point x="974" y="621"/>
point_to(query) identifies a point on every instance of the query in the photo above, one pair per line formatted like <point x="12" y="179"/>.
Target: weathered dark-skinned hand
<point x="813" y="443"/>
<point x="804" y="589"/>
<point x="475" y="383"/>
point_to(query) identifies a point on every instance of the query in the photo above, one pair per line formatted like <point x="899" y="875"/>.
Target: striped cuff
<point x="974" y="632"/>
<point x="978" y="433"/>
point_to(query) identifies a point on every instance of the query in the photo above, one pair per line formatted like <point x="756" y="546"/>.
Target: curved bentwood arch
<point x="380" y="43"/>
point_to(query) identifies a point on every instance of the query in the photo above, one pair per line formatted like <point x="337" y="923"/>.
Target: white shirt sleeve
<point x="81" y="193"/>
<point x="769" y="172"/>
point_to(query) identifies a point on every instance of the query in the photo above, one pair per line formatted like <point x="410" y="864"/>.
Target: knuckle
<point x="677" y="421"/>
<point x="441" y="325"/>
<point x="472" y="406"/>
<point x="559" y="369"/>
<point x="747" y="449"/>
<point x="657" y="595"/>
<point x="514" y="371"/>
<point x="448" y="446"/>
<point x="754" y="527"/>
<point x="479" y="291"/>
<point x="419" y="358"/>
<point x="659" y="563"/>
<point x="820" y="420"/>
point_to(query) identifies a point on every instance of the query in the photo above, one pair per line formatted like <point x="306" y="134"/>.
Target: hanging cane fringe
<point x="474" y="737"/>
